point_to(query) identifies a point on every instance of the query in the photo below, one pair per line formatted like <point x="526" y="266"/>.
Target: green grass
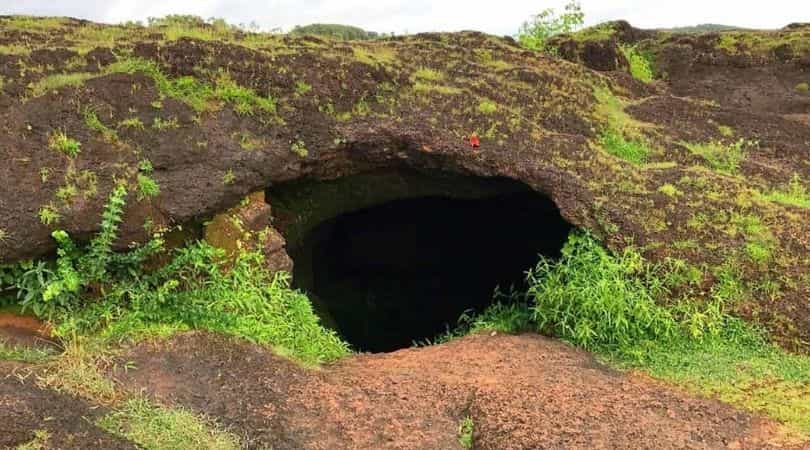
<point x="794" y="194"/>
<point x="54" y="82"/>
<point x="722" y="157"/>
<point x="738" y="366"/>
<point x="134" y="123"/>
<point x="466" y="431"/>
<point x="156" y="428"/>
<point x="621" y="134"/>
<point x="641" y="66"/>
<point x="24" y="354"/>
<point x="428" y="75"/>
<point x="670" y="190"/>
<point x="426" y="88"/>
<point x="634" y="151"/>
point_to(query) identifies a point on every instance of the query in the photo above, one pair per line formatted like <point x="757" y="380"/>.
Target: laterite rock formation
<point x="219" y="115"/>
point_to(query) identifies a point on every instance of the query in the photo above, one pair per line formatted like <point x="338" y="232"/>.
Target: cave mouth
<point x="404" y="270"/>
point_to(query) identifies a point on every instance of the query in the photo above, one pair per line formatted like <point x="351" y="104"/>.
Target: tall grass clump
<point x="596" y="300"/>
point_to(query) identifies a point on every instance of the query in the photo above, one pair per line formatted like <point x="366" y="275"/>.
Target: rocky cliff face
<point x="719" y="150"/>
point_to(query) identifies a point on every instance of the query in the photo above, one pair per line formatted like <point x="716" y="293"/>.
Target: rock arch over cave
<point x="396" y="256"/>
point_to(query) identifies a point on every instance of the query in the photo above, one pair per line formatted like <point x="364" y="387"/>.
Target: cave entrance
<point x="403" y="266"/>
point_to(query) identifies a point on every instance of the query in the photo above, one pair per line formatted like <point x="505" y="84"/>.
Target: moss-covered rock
<point x="219" y="113"/>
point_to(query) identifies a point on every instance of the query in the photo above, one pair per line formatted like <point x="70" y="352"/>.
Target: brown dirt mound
<point x="24" y="331"/>
<point x="559" y="397"/>
<point x="26" y="409"/>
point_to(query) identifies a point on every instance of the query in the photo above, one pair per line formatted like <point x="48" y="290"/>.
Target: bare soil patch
<point x="521" y="391"/>
<point x="24" y="331"/>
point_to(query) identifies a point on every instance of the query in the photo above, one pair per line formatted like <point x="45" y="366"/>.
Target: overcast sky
<point x="492" y="16"/>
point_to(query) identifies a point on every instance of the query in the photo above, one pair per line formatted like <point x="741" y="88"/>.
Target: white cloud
<point x="497" y="17"/>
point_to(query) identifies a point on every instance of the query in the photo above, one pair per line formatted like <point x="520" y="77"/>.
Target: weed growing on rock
<point x="49" y="215"/>
<point x="229" y="177"/>
<point x="147" y="187"/>
<point x="302" y="88"/>
<point x="92" y="122"/>
<point x="40" y="441"/>
<point x="803" y="88"/>
<point x="165" y="124"/>
<point x="60" y="142"/>
<point x="133" y="122"/>
<point x="299" y="148"/>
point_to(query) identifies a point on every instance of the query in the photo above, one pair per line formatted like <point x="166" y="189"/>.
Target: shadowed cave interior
<point x="400" y="269"/>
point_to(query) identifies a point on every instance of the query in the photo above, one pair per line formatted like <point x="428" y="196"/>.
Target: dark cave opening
<point x="388" y="275"/>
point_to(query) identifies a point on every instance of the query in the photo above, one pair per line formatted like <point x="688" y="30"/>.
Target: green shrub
<point x="535" y="32"/>
<point x="803" y="88"/>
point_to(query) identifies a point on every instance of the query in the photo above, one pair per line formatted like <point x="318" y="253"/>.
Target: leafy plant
<point x="59" y="141"/>
<point x="535" y="32"/>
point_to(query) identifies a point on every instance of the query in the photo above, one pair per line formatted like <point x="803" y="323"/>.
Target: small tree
<point x="535" y="32"/>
